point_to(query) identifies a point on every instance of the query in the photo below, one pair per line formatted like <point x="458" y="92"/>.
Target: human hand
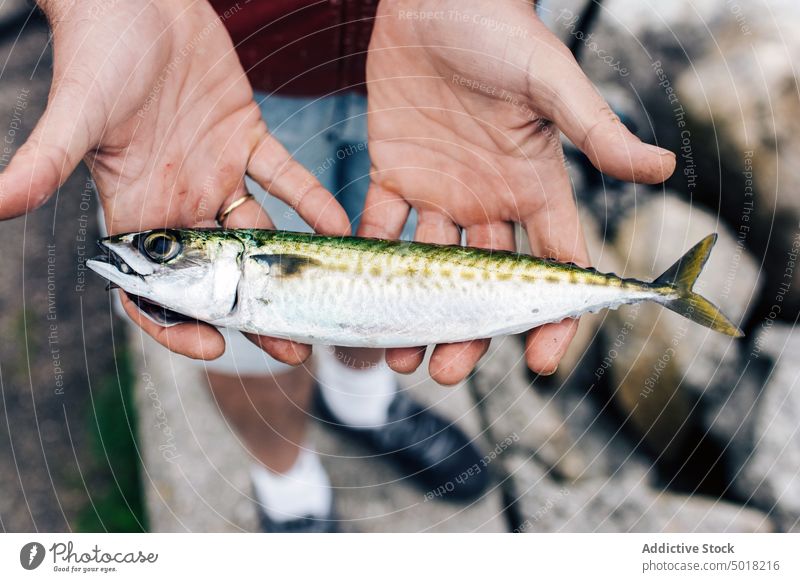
<point x="153" y="96"/>
<point x="466" y="100"/>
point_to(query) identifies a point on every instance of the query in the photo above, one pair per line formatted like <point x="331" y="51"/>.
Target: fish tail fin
<point x="679" y="280"/>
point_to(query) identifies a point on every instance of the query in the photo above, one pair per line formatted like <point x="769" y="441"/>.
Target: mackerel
<point x="362" y="292"/>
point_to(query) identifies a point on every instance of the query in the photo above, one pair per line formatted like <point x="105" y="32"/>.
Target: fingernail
<point x="657" y="150"/>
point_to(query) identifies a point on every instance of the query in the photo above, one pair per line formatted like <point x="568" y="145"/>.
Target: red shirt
<point x="301" y="47"/>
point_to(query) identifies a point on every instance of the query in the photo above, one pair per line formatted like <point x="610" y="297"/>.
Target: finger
<point x="432" y="227"/>
<point x="497" y="236"/>
<point x="405" y="360"/>
<point x="559" y="88"/>
<point x="252" y="215"/>
<point x="50" y="154"/>
<point x="437" y="228"/>
<point x="555" y="232"/>
<point x="280" y="175"/>
<point x="194" y="340"/>
<point x="451" y="363"/>
<point x="286" y="351"/>
<point x="385" y="213"/>
<point x="546" y="345"/>
<point x="384" y="216"/>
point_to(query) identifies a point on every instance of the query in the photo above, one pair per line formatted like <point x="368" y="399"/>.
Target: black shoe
<point x="308" y="524"/>
<point x="432" y="451"/>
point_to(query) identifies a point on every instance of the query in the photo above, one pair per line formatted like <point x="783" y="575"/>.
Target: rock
<point x="751" y="107"/>
<point x="513" y="407"/>
<point x="660" y="362"/>
<point x="714" y="82"/>
<point x="595" y="432"/>
<point x="764" y="429"/>
<point x="621" y="505"/>
<point x="630" y="37"/>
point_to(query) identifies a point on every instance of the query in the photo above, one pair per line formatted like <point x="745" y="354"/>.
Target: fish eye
<point x="161" y="246"/>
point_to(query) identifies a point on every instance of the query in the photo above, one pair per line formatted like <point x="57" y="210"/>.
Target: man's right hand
<point x="153" y="97"/>
<point x="467" y="100"/>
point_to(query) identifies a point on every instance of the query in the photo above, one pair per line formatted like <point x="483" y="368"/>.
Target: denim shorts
<point x="328" y="136"/>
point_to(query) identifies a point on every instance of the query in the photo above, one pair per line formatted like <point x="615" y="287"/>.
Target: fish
<point x="362" y="292"/>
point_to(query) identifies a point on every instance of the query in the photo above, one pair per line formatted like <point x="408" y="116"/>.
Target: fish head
<point x="194" y="273"/>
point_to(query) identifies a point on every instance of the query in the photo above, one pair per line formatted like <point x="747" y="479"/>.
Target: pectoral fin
<point x="285" y="265"/>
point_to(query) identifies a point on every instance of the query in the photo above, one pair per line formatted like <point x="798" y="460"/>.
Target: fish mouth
<point x="112" y="267"/>
<point x="109" y="257"/>
<point x="110" y="264"/>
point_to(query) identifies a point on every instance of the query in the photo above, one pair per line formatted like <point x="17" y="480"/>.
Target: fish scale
<point x="433" y="293"/>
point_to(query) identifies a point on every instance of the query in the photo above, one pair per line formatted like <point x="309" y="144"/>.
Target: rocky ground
<point x="651" y="423"/>
<point x="714" y="82"/>
<point x="62" y="390"/>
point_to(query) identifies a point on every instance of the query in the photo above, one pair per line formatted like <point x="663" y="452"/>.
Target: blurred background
<point x="651" y="424"/>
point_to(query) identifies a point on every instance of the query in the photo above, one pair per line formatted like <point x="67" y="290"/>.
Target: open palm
<point x="466" y="100"/>
<point x="153" y="97"/>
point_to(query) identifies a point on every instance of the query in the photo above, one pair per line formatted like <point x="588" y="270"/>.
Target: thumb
<point x="560" y="89"/>
<point x="51" y="153"/>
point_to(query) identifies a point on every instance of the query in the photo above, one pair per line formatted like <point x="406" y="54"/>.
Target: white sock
<point x="304" y="490"/>
<point x="358" y="397"/>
